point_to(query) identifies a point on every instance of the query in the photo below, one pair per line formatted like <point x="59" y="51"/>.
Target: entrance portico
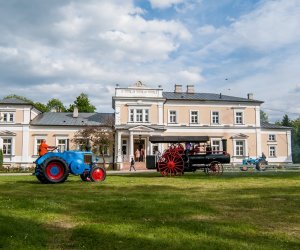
<point x="129" y="140"/>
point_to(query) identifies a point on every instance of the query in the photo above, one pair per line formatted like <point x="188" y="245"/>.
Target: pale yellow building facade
<point x="142" y="112"/>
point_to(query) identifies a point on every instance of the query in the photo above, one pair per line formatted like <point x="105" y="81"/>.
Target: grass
<point x="146" y="211"/>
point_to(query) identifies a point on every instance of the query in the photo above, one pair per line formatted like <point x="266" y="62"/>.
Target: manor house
<point x="142" y="112"/>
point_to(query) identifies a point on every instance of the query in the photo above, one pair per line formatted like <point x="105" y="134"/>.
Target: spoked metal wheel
<point x="171" y="163"/>
<point x="214" y="168"/>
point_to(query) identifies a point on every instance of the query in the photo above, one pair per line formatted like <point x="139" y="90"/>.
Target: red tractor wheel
<point x="98" y="174"/>
<point x="215" y="168"/>
<point x="170" y="163"/>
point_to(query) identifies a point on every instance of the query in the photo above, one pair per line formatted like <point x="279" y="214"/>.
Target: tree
<point x="100" y="137"/>
<point x="83" y="104"/>
<point x="55" y="104"/>
<point x="286" y="121"/>
<point x="263" y="116"/>
<point x="40" y="106"/>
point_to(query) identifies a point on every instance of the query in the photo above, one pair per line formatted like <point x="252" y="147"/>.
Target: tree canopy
<point x="83" y="104"/>
<point x="55" y="105"/>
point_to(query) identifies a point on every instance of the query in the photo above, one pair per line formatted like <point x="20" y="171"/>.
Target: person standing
<point x="137" y="154"/>
<point x="132" y="165"/>
<point x="142" y="154"/>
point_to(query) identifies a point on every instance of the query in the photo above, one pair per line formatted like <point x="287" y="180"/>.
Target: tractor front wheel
<point x="98" y="174"/>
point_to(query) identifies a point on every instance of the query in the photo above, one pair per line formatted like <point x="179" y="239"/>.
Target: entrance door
<point x="139" y="150"/>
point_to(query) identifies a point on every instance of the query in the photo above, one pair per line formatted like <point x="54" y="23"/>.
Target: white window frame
<point x="107" y="150"/>
<point x="36" y="144"/>
<point x="270" y="137"/>
<point x="169" y="117"/>
<point x="212" y="144"/>
<point x="242" y="117"/>
<point x="12" y="151"/>
<point x="58" y="145"/>
<point x="132" y="115"/>
<point x="193" y="116"/>
<point x="10" y="116"/>
<point x="126" y="145"/>
<point x="212" y="118"/>
<point x="272" y="152"/>
<point x="245" y="147"/>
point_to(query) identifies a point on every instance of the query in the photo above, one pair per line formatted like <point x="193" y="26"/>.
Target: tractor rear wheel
<point x="98" y="173"/>
<point x="214" y="168"/>
<point x="170" y="163"/>
<point x="55" y="170"/>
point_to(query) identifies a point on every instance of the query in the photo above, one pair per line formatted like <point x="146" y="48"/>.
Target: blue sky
<point x="58" y="49"/>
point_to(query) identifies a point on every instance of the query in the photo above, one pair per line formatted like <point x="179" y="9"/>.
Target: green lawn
<point x="146" y="211"/>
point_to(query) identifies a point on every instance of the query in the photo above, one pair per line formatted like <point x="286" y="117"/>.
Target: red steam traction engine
<point x="197" y="154"/>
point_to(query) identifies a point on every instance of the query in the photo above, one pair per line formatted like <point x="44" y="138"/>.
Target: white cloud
<point x="273" y="25"/>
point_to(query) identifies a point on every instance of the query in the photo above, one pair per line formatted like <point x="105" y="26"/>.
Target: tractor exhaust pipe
<point x="68" y="144"/>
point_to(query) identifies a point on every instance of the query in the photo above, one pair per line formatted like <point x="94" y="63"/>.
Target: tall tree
<point x="55" y="104"/>
<point x="286" y="121"/>
<point x="263" y="116"/>
<point x="83" y="104"/>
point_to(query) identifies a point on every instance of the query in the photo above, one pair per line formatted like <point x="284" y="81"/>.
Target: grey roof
<point x="205" y="97"/>
<point x="67" y="119"/>
<point x="14" y="101"/>
<point x="273" y="126"/>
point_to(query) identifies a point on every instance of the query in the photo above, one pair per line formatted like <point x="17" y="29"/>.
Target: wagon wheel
<point x="54" y="170"/>
<point x="215" y="168"/>
<point x="98" y="174"/>
<point x="171" y="163"/>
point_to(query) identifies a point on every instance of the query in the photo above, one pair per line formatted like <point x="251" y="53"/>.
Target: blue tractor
<point x="259" y="163"/>
<point x="55" y="167"/>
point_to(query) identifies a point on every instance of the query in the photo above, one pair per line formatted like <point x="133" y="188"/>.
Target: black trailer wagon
<point x="186" y="154"/>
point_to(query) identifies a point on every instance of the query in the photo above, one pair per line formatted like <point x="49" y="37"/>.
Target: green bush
<point x="1" y="158"/>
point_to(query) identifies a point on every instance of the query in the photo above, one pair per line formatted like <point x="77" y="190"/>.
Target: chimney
<point x="250" y="96"/>
<point x="75" y="112"/>
<point x="190" y="89"/>
<point x="178" y="88"/>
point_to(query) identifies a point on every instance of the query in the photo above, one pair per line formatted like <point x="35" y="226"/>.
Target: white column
<point x="148" y="146"/>
<point x="257" y="116"/>
<point x="289" y="146"/>
<point x="1" y="143"/>
<point x="25" y="145"/>
<point x="131" y="146"/>
<point x="258" y="143"/>
<point x="160" y="114"/>
<point x="118" y="147"/>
